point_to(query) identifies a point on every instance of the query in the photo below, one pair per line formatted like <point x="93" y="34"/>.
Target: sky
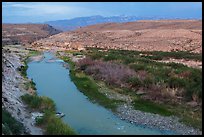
<point x="38" y="12"/>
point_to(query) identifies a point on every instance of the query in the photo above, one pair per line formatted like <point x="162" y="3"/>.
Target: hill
<point x="25" y="33"/>
<point x="160" y="35"/>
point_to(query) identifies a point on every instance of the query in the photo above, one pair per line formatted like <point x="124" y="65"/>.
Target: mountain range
<point x="72" y="24"/>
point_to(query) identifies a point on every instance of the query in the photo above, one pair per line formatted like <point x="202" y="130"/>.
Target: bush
<point x="83" y="63"/>
<point x="151" y="107"/>
<point x="175" y="82"/>
<point x="10" y="126"/>
<point x="148" y="81"/>
<point x="138" y="67"/>
<point x="39" y="103"/>
<point x="111" y="73"/>
<point x="30" y="84"/>
<point x="175" y="65"/>
<point x="23" y="70"/>
<point x="110" y="57"/>
<point x="54" y="125"/>
<point x="135" y="82"/>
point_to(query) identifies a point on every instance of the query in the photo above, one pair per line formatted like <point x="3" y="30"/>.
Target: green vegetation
<point x="54" y="125"/>
<point x="88" y="86"/>
<point x="33" y="53"/>
<point x="185" y="80"/>
<point x="149" y="106"/>
<point x="90" y="89"/>
<point x="157" y="79"/>
<point x="38" y="102"/>
<point x="174" y="75"/>
<point x="158" y="55"/>
<point x="23" y="69"/>
<point x="30" y="84"/>
<point x="10" y="126"/>
<point x="50" y="122"/>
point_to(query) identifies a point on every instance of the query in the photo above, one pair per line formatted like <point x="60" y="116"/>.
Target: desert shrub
<point x="175" y="82"/>
<point x="113" y="73"/>
<point x="109" y="72"/>
<point x="175" y="65"/>
<point x="155" y="92"/>
<point x="135" y="82"/>
<point x="194" y="91"/>
<point x="128" y="60"/>
<point x="148" y="81"/>
<point x="23" y="70"/>
<point x="157" y="55"/>
<point x="194" y="86"/>
<point x="30" y="84"/>
<point x="83" y="63"/>
<point x="110" y="57"/>
<point x="138" y="67"/>
<point x="142" y="74"/>
<point x="184" y="74"/>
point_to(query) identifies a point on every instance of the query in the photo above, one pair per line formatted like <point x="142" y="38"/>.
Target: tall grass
<point x="41" y="103"/>
<point x="149" y="106"/>
<point x="54" y="125"/>
<point x="50" y="122"/>
<point x="11" y="126"/>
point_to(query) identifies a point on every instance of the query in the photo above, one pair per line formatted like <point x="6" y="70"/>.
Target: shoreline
<point x="171" y="123"/>
<point x="13" y="88"/>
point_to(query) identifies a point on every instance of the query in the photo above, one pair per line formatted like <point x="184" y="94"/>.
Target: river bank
<point x="13" y="87"/>
<point x="127" y="112"/>
<point x="16" y="86"/>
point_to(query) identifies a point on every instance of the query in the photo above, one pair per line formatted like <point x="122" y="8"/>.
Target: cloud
<point x="42" y="8"/>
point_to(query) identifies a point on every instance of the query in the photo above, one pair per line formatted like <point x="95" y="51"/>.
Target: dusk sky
<point x="36" y="12"/>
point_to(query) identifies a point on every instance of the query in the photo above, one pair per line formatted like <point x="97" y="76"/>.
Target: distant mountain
<point x="72" y="24"/>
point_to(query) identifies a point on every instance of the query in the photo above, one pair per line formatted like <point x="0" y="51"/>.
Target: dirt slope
<point x="25" y="33"/>
<point x="162" y="35"/>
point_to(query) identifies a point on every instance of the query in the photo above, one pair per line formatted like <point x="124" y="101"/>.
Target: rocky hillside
<point x="25" y="33"/>
<point x="13" y="87"/>
<point x="160" y="35"/>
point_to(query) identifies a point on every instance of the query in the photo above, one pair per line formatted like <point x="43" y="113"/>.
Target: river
<point x="52" y="80"/>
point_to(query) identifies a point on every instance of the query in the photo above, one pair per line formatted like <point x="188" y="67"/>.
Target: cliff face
<point x="25" y="33"/>
<point x="161" y="35"/>
<point x="12" y="88"/>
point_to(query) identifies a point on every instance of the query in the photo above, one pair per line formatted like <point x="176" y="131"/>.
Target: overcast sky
<point x="34" y="12"/>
